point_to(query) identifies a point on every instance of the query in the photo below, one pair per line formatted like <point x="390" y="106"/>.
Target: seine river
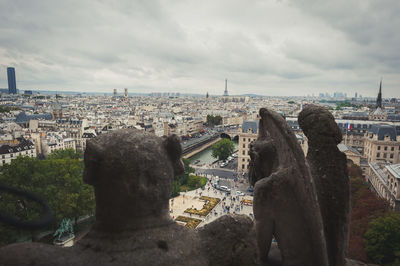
<point x="205" y="155"/>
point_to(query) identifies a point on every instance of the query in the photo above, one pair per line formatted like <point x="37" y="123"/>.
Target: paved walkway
<point x="191" y="198"/>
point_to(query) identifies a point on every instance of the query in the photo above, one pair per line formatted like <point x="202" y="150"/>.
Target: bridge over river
<point x="196" y="145"/>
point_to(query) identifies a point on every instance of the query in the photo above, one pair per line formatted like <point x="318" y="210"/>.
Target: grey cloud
<point x="269" y="47"/>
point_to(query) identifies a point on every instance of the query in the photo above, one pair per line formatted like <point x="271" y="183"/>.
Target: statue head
<point x="132" y="173"/>
<point x="318" y="124"/>
<point x="264" y="160"/>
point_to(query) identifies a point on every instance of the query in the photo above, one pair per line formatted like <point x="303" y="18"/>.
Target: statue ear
<point x="173" y="146"/>
<point x="92" y="161"/>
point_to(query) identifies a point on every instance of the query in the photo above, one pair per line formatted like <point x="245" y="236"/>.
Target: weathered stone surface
<point x="329" y="169"/>
<point x="132" y="173"/>
<point x="285" y="202"/>
<point x="230" y="240"/>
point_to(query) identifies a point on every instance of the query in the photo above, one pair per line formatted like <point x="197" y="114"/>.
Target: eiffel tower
<point x="226" y="88"/>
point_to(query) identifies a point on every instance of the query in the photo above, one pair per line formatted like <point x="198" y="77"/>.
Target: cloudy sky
<point x="268" y="47"/>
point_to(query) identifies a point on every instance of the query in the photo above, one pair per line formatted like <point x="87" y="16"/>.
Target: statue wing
<point x="273" y="126"/>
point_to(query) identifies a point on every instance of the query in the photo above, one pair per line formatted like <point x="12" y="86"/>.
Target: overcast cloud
<point x="287" y="47"/>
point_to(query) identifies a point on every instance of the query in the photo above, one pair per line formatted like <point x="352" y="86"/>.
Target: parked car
<point x="239" y="193"/>
<point x="225" y="188"/>
<point x="250" y="189"/>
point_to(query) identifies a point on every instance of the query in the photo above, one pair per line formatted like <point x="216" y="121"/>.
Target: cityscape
<point x="143" y="129"/>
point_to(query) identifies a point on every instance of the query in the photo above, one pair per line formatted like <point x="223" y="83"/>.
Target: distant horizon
<point x="184" y="93"/>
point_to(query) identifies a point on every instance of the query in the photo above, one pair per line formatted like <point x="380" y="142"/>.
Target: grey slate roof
<point x="384" y="130"/>
<point x="394" y="117"/>
<point x="253" y="125"/>
<point x="22" y="146"/>
<point x="24" y="118"/>
<point x="342" y="147"/>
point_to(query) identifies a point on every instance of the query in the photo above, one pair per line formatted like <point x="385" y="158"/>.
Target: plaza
<point x="191" y="199"/>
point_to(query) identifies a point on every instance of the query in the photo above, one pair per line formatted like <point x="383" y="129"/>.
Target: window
<point x="392" y="149"/>
<point x="244" y="139"/>
<point x="244" y="146"/>
<point x="384" y="155"/>
<point x="379" y="148"/>
<point x="385" y="148"/>
<point x="11" y="155"/>
<point x="378" y="155"/>
<point x="3" y="156"/>
<point x="243" y="160"/>
<point x="4" y="161"/>
<point x="391" y="156"/>
<point x="243" y="153"/>
<point x="242" y="166"/>
<point x="249" y="139"/>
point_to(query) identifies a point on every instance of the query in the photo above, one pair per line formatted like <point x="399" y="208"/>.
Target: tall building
<point x="381" y="144"/>
<point x="378" y="113"/>
<point x="379" y="98"/>
<point x="247" y="134"/>
<point x="226" y="88"/>
<point x="12" y="84"/>
<point x="115" y="92"/>
<point x="126" y="92"/>
<point x="385" y="181"/>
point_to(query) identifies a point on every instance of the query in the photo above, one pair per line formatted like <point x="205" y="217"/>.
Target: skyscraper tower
<point x="226" y="88"/>
<point x="379" y="99"/>
<point x="126" y="92"/>
<point x="115" y="92"/>
<point x="12" y="85"/>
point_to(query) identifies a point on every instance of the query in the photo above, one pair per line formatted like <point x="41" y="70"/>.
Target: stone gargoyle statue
<point x="132" y="173"/>
<point x="285" y="199"/>
<point x="328" y="167"/>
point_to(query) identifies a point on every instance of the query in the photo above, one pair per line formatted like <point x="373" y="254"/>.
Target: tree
<point x="222" y="149"/>
<point x="382" y="240"/>
<point x="182" y="179"/>
<point x="194" y="181"/>
<point x="365" y="206"/>
<point x="214" y="120"/>
<point x="58" y="181"/>
<point x="65" y="153"/>
<point x="175" y="189"/>
<point x="354" y="170"/>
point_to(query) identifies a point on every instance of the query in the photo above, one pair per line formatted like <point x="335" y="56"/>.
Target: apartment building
<point x="381" y="144"/>
<point x="247" y="134"/>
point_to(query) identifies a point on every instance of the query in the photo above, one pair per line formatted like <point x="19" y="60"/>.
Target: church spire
<point x="379" y="99"/>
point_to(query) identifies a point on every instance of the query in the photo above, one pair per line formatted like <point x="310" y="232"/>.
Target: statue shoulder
<point x="230" y="240"/>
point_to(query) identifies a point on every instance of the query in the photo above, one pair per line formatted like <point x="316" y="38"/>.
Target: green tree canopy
<point x="382" y="240"/>
<point x="58" y="181"/>
<point x="214" y="120"/>
<point x="183" y="178"/>
<point x="64" y="154"/>
<point x="222" y="149"/>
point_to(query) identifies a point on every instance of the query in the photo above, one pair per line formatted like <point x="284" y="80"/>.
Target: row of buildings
<point x="373" y="144"/>
<point x="37" y="125"/>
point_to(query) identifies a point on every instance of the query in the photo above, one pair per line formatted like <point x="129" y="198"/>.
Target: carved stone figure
<point x="132" y="173"/>
<point x="329" y="169"/>
<point x="285" y="202"/>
